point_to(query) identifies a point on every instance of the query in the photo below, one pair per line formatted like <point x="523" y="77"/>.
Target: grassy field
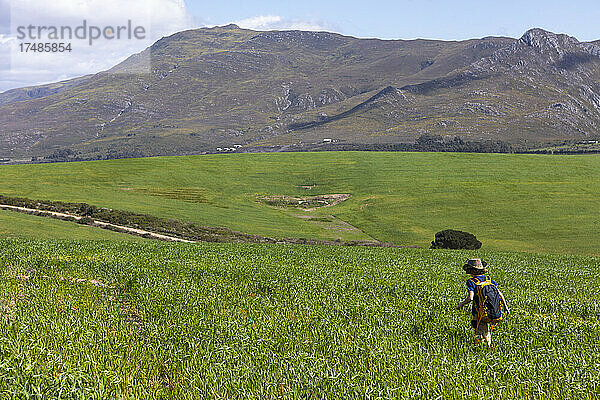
<point x="510" y="202"/>
<point x="267" y="321"/>
<point x="124" y="317"/>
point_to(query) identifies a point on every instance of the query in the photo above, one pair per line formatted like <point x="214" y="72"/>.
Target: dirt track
<point x="100" y="224"/>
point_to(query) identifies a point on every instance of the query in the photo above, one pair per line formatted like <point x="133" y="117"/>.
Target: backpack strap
<point x="488" y="281"/>
<point x="475" y="280"/>
<point x="479" y="285"/>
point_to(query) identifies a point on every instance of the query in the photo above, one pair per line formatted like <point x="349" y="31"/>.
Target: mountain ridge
<point x="221" y="86"/>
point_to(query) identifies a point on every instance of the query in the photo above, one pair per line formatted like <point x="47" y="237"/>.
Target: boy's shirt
<point x="471" y="287"/>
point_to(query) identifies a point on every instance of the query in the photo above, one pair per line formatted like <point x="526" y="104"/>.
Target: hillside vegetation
<point x="510" y="202"/>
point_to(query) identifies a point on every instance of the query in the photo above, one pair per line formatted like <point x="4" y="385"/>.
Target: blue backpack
<point x="490" y="303"/>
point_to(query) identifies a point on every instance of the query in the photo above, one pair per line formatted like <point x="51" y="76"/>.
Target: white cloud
<point x="5" y="39"/>
<point x="276" y="22"/>
<point x="163" y="14"/>
<point x="262" y="22"/>
<point x="158" y="18"/>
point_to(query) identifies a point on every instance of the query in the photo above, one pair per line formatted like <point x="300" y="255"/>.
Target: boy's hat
<point x="475" y="263"/>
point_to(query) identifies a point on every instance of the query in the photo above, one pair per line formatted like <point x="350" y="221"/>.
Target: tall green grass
<point x="266" y="321"/>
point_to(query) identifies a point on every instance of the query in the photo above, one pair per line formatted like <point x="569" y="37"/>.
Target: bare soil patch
<point x="305" y="203"/>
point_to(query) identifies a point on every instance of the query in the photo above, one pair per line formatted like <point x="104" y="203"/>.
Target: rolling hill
<point x="515" y="202"/>
<point x="226" y="86"/>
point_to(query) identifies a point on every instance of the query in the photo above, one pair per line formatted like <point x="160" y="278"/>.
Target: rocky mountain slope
<point x="220" y="87"/>
<point x="36" y="92"/>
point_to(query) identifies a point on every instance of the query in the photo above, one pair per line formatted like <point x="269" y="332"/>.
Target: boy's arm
<point x="467" y="300"/>
<point x="504" y="302"/>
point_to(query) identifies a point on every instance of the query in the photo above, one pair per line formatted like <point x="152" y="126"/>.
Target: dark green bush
<point x="86" y="210"/>
<point x="451" y="239"/>
<point x="86" y="221"/>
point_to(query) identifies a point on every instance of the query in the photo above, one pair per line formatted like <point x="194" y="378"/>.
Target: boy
<point x="481" y="321"/>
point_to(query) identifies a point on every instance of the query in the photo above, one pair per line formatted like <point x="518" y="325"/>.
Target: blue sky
<point x="405" y="19"/>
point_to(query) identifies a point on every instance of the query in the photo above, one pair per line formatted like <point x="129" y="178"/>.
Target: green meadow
<point x="150" y="320"/>
<point x="536" y="203"/>
<point x="115" y="316"/>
